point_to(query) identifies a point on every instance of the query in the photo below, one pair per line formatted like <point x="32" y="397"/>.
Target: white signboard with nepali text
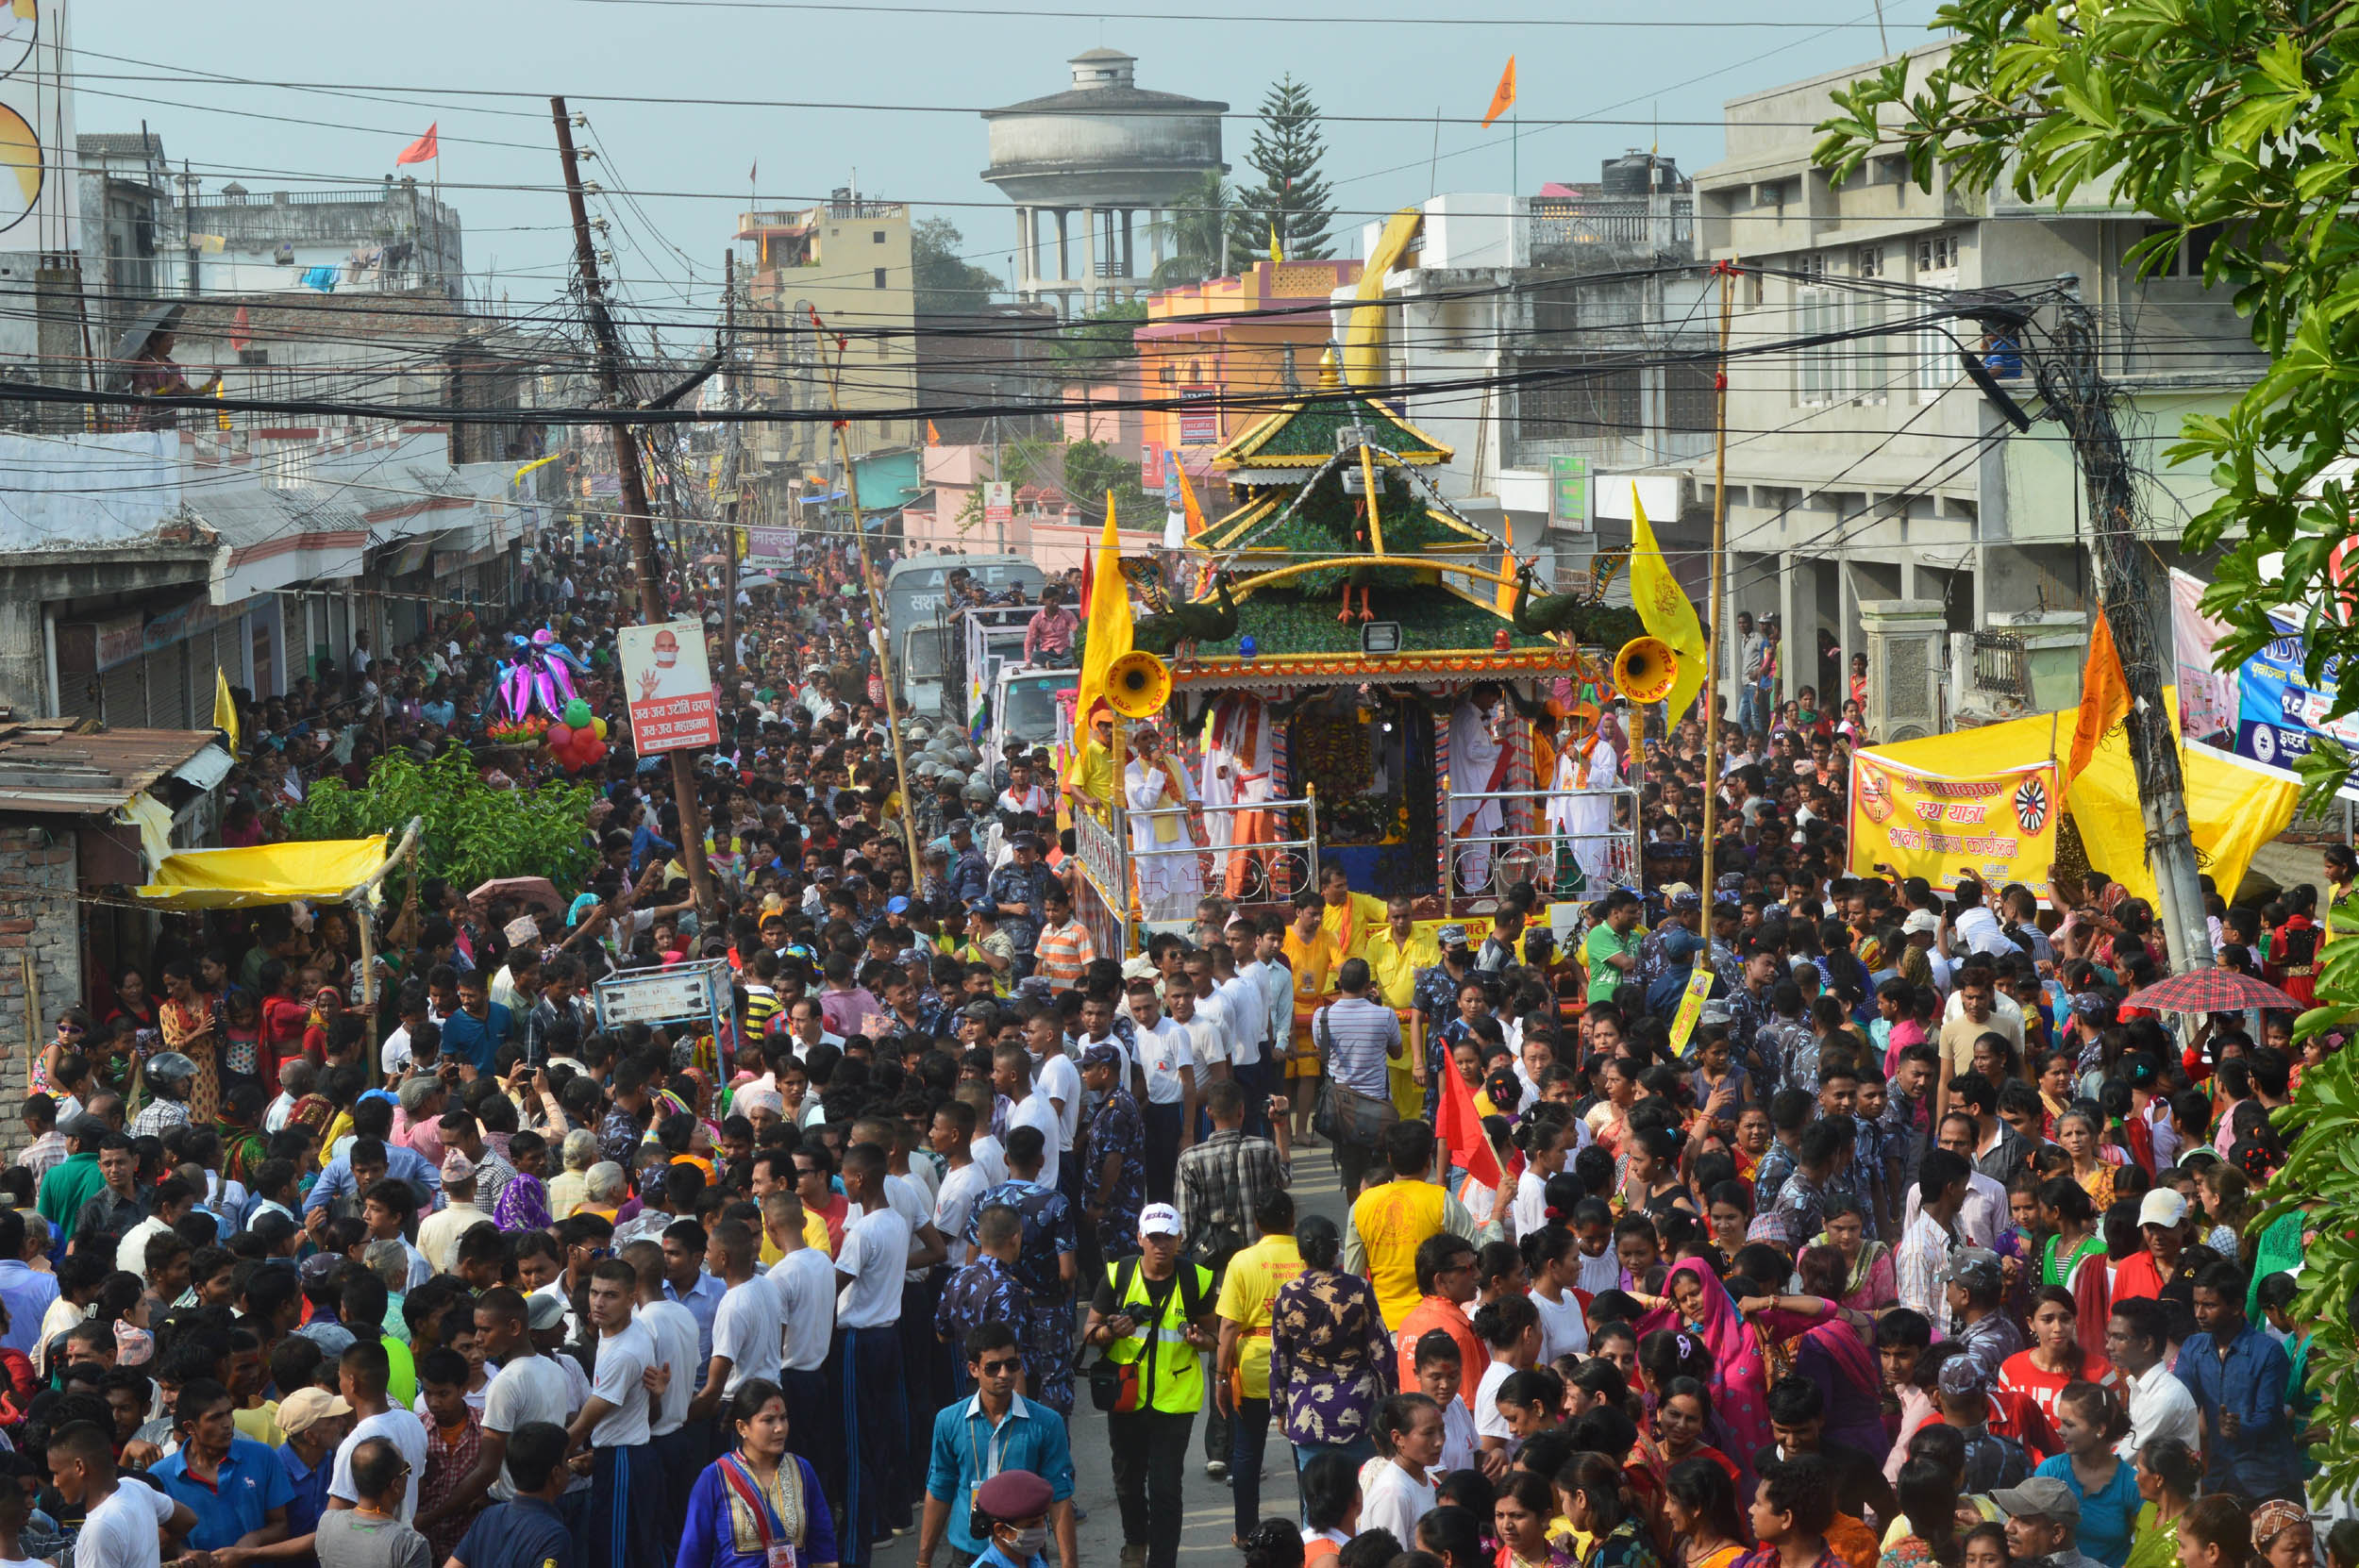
<point x="668" y="684"/>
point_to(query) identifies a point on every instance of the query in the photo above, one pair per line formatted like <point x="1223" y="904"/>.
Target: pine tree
<point x="1292" y="199"/>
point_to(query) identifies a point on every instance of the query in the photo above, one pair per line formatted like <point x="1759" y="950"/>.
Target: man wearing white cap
<point x="1155" y="1313"/>
<point x="439" y="1233"/>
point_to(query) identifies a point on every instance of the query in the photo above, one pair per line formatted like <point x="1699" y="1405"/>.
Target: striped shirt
<point x="1064" y="953"/>
<point x="1356" y="1040"/>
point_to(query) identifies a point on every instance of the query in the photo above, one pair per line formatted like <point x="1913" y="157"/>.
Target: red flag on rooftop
<point x="424" y="149"/>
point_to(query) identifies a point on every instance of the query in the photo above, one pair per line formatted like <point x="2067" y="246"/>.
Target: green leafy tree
<point x="1293" y="200"/>
<point x="946" y="283"/>
<point x="1105" y="334"/>
<point x="472" y="832"/>
<point x="2236" y="123"/>
<point x="1200" y="224"/>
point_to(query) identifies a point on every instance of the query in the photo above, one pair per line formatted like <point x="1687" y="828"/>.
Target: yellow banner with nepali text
<point x="1996" y="827"/>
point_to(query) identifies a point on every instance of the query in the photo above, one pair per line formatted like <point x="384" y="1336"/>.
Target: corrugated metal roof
<point x="53" y="766"/>
<point x="247" y="516"/>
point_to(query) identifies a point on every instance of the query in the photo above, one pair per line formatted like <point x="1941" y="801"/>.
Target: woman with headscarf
<point x="1696" y="1303"/>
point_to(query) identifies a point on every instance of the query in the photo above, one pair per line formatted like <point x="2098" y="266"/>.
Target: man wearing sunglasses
<point x="987" y="1434"/>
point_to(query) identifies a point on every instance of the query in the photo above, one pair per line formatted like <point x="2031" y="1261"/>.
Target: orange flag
<point x="1187" y="499"/>
<point x="934" y="437"/>
<point x="2104" y="699"/>
<point x="1460" y="1126"/>
<point x="1503" y="96"/>
<point x="424" y="149"/>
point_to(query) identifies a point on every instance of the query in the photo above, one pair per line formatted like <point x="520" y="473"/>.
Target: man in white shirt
<point x="878" y="1252"/>
<point x="1163" y="1076"/>
<point x="1054" y="1076"/>
<point x="360" y="1375"/>
<point x="1974" y="924"/>
<point x="804" y="1279"/>
<point x="677" y="1447"/>
<point x="745" y="1333"/>
<point x="617" y="1423"/>
<point x="528" y="1387"/>
<point x="1207" y="1039"/>
<point x="951" y="1136"/>
<point x="1984" y="1214"/>
<point x="2160" y="1406"/>
<point x="1012" y="1076"/>
<point x="123" y="1527"/>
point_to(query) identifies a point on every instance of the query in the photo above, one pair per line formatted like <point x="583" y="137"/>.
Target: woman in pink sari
<point x="1700" y="1305"/>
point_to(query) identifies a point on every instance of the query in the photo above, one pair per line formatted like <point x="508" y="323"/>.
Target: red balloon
<point x="594" y="751"/>
<point x="560" y="738"/>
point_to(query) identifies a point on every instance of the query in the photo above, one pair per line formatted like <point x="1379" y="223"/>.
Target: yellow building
<point x="848" y="260"/>
<point x="1208" y="348"/>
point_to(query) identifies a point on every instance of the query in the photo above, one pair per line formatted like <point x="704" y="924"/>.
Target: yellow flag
<point x="225" y="707"/>
<point x="1108" y="624"/>
<point x="1276" y="253"/>
<point x="1664" y="608"/>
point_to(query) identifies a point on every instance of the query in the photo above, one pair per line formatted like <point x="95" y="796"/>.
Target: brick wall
<point x="47" y="929"/>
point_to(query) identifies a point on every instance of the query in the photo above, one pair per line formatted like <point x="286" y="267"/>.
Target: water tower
<point x="1099" y="163"/>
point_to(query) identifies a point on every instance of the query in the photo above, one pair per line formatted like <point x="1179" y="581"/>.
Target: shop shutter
<point x="168" y="687"/>
<point x="122" y="695"/>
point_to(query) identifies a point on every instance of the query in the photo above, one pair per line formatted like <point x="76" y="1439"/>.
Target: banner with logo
<point x="1996" y="827"/>
<point x="2280" y="712"/>
<point x="668" y="684"/>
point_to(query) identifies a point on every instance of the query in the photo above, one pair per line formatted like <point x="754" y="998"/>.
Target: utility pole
<point x="638" y="525"/>
<point x="1714" y="635"/>
<point x="875" y="598"/>
<point x="2130" y="591"/>
<point x="729" y="459"/>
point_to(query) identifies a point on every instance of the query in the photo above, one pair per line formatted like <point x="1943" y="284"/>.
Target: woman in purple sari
<point x="1833" y="1347"/>
<point x="524" y="1203"/>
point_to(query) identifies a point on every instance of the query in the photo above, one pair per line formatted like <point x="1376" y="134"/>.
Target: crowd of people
<point x="1915" y="1246"/>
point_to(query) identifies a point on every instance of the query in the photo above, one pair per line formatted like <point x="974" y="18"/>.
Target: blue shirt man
<point x="703" y="1299"/>
<point x="994" y="1430"/>
<point x="248" y="1482"/>
<point x="402" y="1163"/>
<point x="24" y="1290"/>
<point x="2238" y="1377"/>
<point x="473" y="1037"/>
<point x="523" y="1532"/>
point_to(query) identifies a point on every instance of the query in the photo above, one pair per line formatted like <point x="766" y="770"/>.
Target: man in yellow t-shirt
<point x="1312" y="957"/>
<point x="1348" y="918"/>
<point x="1248" y="1298"/>
<point x="1094" y="777"/>
<point x="1390" y="1222"/>
<point x="1396" y="954"/>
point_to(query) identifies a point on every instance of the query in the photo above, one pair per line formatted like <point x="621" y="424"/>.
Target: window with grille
<point x="1936" y="253"/>
<point x="1690" y="397"/>
<point x="1586" y="395"/>
<point x="1819" y="310"/>
<point x="1867" y="262"/>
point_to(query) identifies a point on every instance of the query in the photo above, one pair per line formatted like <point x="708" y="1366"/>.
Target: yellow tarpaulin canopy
<point x="2234" y="807"/>
<point x="321" y="870"/>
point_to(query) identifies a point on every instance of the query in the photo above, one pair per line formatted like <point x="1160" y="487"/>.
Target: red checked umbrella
<point x="2209" y="989"/>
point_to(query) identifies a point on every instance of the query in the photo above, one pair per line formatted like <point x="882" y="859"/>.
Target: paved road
<point x="1204" y="1503"/>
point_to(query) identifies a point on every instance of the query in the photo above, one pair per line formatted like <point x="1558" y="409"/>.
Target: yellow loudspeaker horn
<point x="1138" y="684"/>
<point x="1645" y="670"/>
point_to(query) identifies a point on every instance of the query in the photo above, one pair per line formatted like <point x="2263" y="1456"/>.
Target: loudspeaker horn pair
<point x="1645" y="669"/>
<point x="1139" y="684"/>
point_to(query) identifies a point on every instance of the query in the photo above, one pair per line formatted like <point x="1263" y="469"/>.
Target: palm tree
<point x="1195" y="231"/>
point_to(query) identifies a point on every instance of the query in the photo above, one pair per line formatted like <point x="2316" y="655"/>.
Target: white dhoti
<point x="1162" y="855"/>
<point x="1593" y="814"/>
<point x="1563" y="809"/>
<point x="1478" y="763"/>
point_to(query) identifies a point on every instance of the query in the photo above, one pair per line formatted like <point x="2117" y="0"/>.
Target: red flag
<point x="1502" y="96"/>
<point x="1089" y="575"/>
<point x="1460" y="1126"/>
<point x="424" y="149"/>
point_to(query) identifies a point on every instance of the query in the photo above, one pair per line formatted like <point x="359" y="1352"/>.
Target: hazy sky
<point x="400" y="66"/>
